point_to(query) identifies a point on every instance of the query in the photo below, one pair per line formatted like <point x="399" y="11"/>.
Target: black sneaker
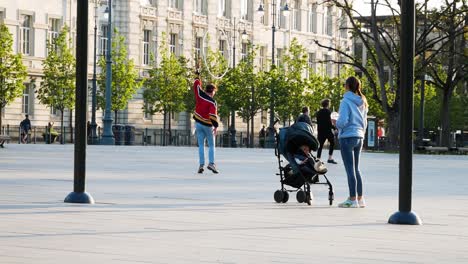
<point x="200" y="170"/>
<point x="212" y="168"/>
<point x="332" y="161"/>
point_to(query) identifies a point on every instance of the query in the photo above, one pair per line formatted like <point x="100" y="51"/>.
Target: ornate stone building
<point x="184" y="24"/>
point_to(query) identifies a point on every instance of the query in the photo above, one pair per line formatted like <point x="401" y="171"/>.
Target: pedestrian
<point x="304" y="117"/>
<point x="262" y="135"/>
<point x="25" y="126"/>
<point x="325" y="129"/>
<point x="351" y="124"/>
<point x="206" y="122"/>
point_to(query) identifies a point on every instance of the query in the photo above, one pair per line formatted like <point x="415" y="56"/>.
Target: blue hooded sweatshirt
<point x="352" y="121"/>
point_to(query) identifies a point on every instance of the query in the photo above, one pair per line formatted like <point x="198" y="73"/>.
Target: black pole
<point x="233" y="113"/>
<point x="79" y="195"/>
<point x="404" y="215"/>
<point x="93" y="137"/>
<point x="270" y="142"/>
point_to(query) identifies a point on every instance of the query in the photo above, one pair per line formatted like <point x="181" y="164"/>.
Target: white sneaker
<point x="349" y="204"/>
<point x="362" y="203"/>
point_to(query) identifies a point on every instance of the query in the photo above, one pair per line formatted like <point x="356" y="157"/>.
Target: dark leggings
<point x="331" y="140"/>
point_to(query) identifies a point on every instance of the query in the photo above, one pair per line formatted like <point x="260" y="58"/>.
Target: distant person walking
<point x="262" y="135"/>
<point x="304" y="117"/>
<point x="325" y="129"/>
<point x="25" y="126"/>
<point x="206" y="123"/>
<point x="351" y="124"/>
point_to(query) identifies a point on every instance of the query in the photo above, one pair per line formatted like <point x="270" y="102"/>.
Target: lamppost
<point x="233" y="113"/>
<point x="107" y="135"/>
<point x="93" y="138"/>
<point x="270" y="140"/>
<point x="423" y="83"/>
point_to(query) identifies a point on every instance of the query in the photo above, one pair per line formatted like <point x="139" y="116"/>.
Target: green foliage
<point x="12" y="71"/>
<point x="57" y="89"/>
<point x="124" y="76"/>
<point x="167" y="87"/>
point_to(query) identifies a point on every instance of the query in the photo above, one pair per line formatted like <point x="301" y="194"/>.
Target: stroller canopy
<point x="291" y="138"/>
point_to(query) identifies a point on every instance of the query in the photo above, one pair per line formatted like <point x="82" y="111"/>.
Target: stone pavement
<point x="151" y="207"/>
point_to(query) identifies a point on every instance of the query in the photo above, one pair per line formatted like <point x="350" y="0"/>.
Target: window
<point x="328" y="22"/>
<point x="174" y="4"/>
<point x="147" y="114"/>
<point x="53" y="111"/>
<point x="25" y="104"/>
<point x="358" y="51"/>
<point x="25" y="34"/>
<point x="222" y="47"/>
<point x="279" y="57"/>
<point x="54" y="28"/>
<point x="264" y="116"/>
<point x="311" y="64"/>
<point x="281" y="23"/>
<point x="263" y="19"/>
<point x="328" y="65"/>
<point x="262" y="58"/>
<point x="244" y="51"/>
<point x="104" y="39"/>
<point x="146" y="46"/>
<point x="297" y="15"/>
<point x="2" y="15"/>
<point x="201" y="7"/>
<point x="244" y="9"/>
<point x="198" y="47"/>
<point x="173" y="43"/>
<point x="343" y="25"/>
<point x="312" y="23"/>
<point x="222" y="8"/>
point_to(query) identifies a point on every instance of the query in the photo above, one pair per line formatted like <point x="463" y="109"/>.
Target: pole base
<point x="405" y="218"/>
<point x="107" y="140"/>
<point x="79" y="197"/>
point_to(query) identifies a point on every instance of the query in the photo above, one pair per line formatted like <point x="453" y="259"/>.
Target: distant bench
<point x="436" y="150"/>
<point x="463" y="150"/>
<point x="3" y="139"/>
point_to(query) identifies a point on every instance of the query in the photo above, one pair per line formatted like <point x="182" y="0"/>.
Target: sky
<point x="363" y="6"/>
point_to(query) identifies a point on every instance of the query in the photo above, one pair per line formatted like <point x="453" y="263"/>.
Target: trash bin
<point x="119" y="134"/>
<point x="129" y="135"/>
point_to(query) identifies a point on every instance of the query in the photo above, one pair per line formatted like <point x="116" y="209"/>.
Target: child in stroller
<point x="295" y="144"/>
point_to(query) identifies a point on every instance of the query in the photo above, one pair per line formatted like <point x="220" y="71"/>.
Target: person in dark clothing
<point x="262" y="135"/>
<point x="25" y="126"/>
<point x="304" y="117"/>
<point x="324" y="129"/>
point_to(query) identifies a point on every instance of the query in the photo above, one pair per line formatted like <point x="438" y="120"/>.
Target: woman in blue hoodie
<point x="351" y="124"/>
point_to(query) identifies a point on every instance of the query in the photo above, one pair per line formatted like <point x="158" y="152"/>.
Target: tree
<point x="12" y="71"/>
<point x="166" y="88"/>
<point x="124" y="77"/>
<point x="57" y="89"/>
<point x="447" y="60"/>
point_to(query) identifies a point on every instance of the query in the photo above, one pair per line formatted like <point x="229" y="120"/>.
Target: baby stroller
<point x="288" y="142"/>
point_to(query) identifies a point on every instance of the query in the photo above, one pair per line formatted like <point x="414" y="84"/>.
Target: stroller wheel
<point x="279" y="195"/>
<point x="301" y="196"/>
<point x="285" y="197"/>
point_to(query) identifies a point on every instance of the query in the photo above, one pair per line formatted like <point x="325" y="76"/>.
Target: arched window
<point x="312" y="17"/>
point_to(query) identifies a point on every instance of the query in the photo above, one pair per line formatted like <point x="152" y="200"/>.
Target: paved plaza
<point x="151" y="207"/>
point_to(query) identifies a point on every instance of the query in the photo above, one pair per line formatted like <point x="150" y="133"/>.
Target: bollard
<point x="19" y="135"/>
<point x="34" y="133"/>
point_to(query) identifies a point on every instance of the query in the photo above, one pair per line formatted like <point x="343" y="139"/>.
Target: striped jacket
<point x="205" y="107"/>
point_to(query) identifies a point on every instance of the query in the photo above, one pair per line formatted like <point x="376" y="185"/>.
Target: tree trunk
<point x="252" y="131"/>
<point x="393" y="130"/>
<point x="62" y="134"/>
<point x="164" y="129"/>
<point x="169" y="128"/>
<point x="248" y="133"/>
<point x="445" y="118"/>
<point x="71" y="126"/>
<point x="1" y="112"/>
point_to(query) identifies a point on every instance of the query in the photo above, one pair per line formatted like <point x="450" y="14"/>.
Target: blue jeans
<point x="205" y="132"/>
<point x="351" y="152"/>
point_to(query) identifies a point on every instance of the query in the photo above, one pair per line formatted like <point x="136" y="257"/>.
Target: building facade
<point x="185" y="25"/>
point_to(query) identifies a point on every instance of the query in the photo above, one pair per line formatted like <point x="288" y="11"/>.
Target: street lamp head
<point x="106" y="13"/>
<point x="286" y="10"/>
<point x="261" y="10"/>
<point x="245" y="36"/>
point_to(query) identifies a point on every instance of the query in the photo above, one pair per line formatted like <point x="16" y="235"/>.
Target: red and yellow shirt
<point x="206" y="112"/>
